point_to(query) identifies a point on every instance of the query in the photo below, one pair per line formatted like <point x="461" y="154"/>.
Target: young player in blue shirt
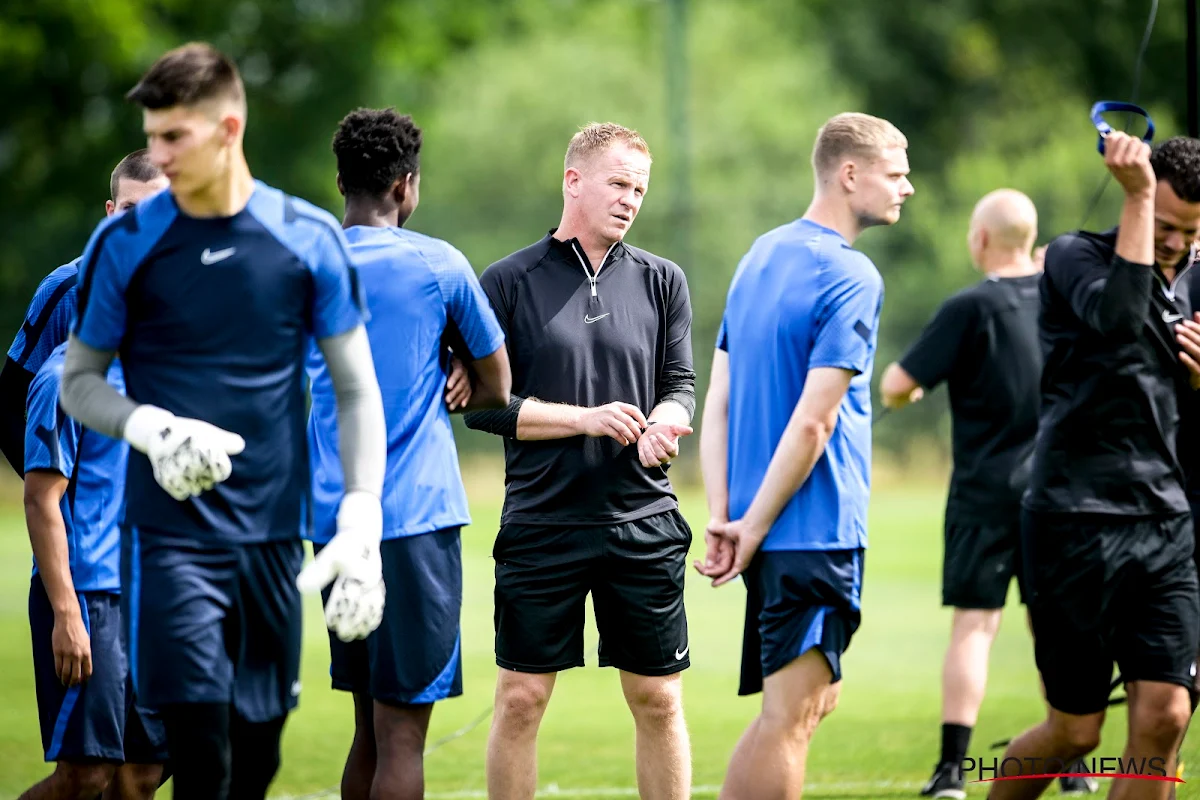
<point x="418" y="290"/>
<point x="74" y="486"/>
<point x="786" y="445"/>
<point x="48" y="319"/>
<point x="213" y="292"/>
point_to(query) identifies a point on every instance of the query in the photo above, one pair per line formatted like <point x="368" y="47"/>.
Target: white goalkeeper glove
<point x="352" y="561"/>
<point x="189" y="456"/>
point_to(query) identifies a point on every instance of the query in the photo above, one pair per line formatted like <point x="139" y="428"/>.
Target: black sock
<point x="198" y="739"/>
<point x="955" y="741"/>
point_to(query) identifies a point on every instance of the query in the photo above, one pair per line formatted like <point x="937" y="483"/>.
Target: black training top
<point x="1110" y="413"/>
<point x="584" y="338"/>
<point x="983" y="342"/>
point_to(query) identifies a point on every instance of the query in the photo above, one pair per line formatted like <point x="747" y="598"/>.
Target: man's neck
<point x="837" y="216"/>
<point x="594" y="247"/>
<point x="370" y="215"/>
<point x="225" y="196"/>
<point x="1010" y="266"/>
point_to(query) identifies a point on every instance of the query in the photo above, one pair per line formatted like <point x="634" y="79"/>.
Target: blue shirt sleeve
<point x="100" y="323"/>
<point x="47" y="320"/>
<point x="338" y="305"/>
<point x="51" y="437"/>
<point x="467" y="305"/>
<point x="847" y="320"/>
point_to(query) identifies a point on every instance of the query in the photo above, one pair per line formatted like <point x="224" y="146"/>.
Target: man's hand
<point x="72" y="648"/>
<point x="351" y="560"/>
<point x="718" y="551"/>
<point x="659" y="443"/>
<point x="189" y="456"/>
<point x="743" y="539"/>
<point x="1187" y="333"/>
<point x="620" y="421"/>
<point x="1128" y="159"/>
<point x="458" y="385"/>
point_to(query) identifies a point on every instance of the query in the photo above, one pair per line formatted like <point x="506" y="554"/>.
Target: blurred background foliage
<point x="729" y="95"/>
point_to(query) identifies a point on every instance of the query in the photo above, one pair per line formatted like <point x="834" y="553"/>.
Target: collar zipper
<point x="583" y="262"/>
<point x="1170" y="290"/>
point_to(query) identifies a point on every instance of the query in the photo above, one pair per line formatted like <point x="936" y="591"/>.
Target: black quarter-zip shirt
<point x="587" y="337"/>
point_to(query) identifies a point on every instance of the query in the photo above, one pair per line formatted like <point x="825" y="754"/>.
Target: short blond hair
<point x="596" y="137"/>
<point x="853" y="135"/>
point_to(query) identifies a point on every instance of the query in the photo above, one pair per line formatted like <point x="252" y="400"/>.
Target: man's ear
<point x="341" y="187"/>
<point x="231" y="127"/>
<point x="109" y="208"/>
<point x="848" y="176"/>
<point x="571" y="180"/>
<point x="401" y="187"/>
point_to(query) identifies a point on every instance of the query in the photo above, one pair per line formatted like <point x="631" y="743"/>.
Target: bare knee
<point x="137" y="781"/>
<point x="84" y="781"/>
<point x="521" y="701"/>
<point x="1079" y="734"/>
<point x="654" y="702"/>
<point x="1161" y="727"/>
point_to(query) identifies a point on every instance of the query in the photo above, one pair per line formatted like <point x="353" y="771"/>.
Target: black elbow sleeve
<point x="500" y="421"/>
<point x="14" y="388"/>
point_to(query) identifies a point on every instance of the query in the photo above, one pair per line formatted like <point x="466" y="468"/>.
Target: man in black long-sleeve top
<point x="1107" y="532"/>
<point x="599" y="337"/>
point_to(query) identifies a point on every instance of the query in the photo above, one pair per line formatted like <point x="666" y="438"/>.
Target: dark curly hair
<point x="1177" y="161"/>
<point x="375" y="147"/>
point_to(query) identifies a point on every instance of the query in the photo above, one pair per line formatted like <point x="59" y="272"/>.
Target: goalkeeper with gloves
<point x="212" y="292"/>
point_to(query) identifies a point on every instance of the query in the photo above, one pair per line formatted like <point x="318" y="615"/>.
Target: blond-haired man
<point x="599" y="337"/>
<point x="786" y="445"/>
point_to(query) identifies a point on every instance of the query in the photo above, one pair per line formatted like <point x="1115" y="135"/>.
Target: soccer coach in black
<point x="599" y="335"/>
<point x="1107" y="533"/>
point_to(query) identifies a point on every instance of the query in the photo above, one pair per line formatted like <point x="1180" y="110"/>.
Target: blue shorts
<point x="797" y="600"/>
<point x="97" y="719"/>
<point x="415" y="656"/>
<point x="213" y="622"/>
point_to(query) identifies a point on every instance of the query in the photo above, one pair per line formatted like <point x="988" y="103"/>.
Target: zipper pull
<point x="593" y="280"/>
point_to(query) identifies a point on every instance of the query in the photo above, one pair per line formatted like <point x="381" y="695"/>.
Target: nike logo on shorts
<point x="589" y="319"/>
<point x="213" y="256"/>
<point x="679" y="654"/>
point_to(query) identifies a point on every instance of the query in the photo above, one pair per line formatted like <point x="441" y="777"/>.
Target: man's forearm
<point x="1135" y="239"/>
<point x="799" y="449"/>
<point x="714" y="455"/>
<point x="538" y="421"/>
<point x="86" y="394"/>
<point x="670" y="411"/>
<point x="48" y="538"/>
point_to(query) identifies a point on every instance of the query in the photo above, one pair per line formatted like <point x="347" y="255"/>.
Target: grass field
<point x="881" y="742"/>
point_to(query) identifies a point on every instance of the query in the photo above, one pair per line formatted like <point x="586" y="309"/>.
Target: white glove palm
<point x="351" y="560"/>
<point x="188" y="456"/>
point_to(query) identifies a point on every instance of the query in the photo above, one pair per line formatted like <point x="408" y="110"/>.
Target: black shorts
<point x="634" y="571"/>
<point x="97" y="719"/>
<point x="1104" y="589"/>
<point x="213" y="622"/>
<point x="980" y="562"/>
<point x="415" y="656"/>
<point x="797" y="600"/>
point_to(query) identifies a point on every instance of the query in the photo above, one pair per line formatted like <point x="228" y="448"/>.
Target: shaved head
<point x="1008" y="218"/>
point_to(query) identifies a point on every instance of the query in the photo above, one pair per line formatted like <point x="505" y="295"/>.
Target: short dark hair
<point x="187" y="75"/>
<point x="136" y="166"/>
<point x="374" y="148"/>
<point x="1177" y="161"/>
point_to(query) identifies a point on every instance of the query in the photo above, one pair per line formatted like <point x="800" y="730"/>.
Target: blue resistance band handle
<point x="1104" y="106"/>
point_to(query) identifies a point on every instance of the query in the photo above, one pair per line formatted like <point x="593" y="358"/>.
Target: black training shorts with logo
<point x="635" y="573"/>
<point x="1106" y="588"/>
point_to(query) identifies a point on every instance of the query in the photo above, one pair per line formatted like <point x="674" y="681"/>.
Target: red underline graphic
<point x="1053" y="775"/>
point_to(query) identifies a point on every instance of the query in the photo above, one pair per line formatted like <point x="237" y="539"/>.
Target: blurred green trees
<point x="990" y="93"/>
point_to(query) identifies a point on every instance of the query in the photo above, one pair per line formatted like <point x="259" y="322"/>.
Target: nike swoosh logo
<point x="213" y="256"/>
<point x="589" y="320"/>
<point x="1168" y="317"/>
<point x="679" y="654"/>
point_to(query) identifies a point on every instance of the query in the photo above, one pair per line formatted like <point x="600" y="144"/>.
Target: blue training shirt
<point x="48" y="319"/>
<point x="415" y="287"/>
<point x="94" y="466"/>
<point x="213" y="318"/>
<point x="802" y="298"/>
